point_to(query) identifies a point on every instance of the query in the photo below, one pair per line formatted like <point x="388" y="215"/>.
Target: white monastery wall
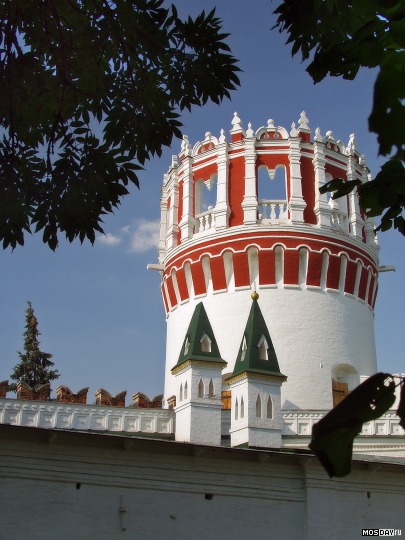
<point x="97" y="486"/>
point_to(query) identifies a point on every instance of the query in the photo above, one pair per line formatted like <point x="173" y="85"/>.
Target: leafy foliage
<point x="35" y="365"/>
<point x="339" y="37"/>
<point x="401" y="406"/>
<point x="333" y="435"/>
<point x="89" y="90"/>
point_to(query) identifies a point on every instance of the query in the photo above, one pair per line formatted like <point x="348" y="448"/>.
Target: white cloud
<point x="144" y="236"/>
<point x="109" y="239"/>
<point x="141" y="236"/>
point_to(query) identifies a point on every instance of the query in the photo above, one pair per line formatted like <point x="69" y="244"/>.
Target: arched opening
<point x="253" y="260"/>
<point x="342" y="275"/>
<point x="324" y="270"/>
<point x="303" y="267"/>
<point x="189" y="279"/>
<point x="272" y="193"/>
<point x="269" y="408"/>
<point x="229" y="273"/>
<point x="263" y="347"/>
<point x="185" y="390"/>
<point x="244" y="349"/>
<point x="181" y="392"/>
<point x="186" y="346"/>
<point x="200" y="390"/>
<point x="345" y="378"/>
<point x="206" y="266"/>
<point x="211" y="389"/>
<point x="242" y="408"/>
<point x="258" y="407"/>
<point x="272" y="183"/>
<point x="279" y="261"/>
<point x="236" y="409"/>
<point x="205" y="197"/>
<point x="205" y="342"/>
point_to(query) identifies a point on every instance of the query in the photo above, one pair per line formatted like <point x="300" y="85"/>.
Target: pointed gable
<point x="199" y="342"/>
<point x="256" y="351"/>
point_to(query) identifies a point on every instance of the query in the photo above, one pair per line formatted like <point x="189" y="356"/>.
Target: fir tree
<point x="34" y="366"/>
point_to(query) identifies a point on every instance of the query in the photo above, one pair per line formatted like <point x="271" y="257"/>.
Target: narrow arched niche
<point x="258" y="407"/>
<point x="269" y="408"/>
<point x="200" y="390"/>
<point x="211" y="389"/>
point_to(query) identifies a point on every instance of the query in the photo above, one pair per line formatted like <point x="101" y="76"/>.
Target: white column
<point x="249" y="203"/>
<point x="222" y="210"/>
<point x="163" y="223"/>
<point x="187" y="221"/>
<point x="322" y="209"/>
<point x="172" y="234"/>
<point x="355" y="219"/>
<point x="296" y="202"/>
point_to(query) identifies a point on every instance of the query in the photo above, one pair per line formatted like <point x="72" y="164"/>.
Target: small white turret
<point x="255" y="385"/>
<point x="198" y="376"/>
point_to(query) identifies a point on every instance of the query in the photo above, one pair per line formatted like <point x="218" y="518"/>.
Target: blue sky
<point x="100" y="311"/>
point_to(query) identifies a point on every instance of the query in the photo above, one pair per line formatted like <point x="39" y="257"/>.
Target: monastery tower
<point x="244" y="214"/>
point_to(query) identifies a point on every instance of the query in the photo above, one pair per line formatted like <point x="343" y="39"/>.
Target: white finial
<point x="293" y="132"/>
<point x="249" y="131"/>
<point x="208" y="140"/>
<point x="318" y="136"/>
<point x="236" y="123"/>
<point x="270" y="123"/>
<point x="329" y="134"/>
<point x="222" y="137"/>
<point x="186" y="146"/>
<point x="303" y="121"/>
<point x="352" y="146"/>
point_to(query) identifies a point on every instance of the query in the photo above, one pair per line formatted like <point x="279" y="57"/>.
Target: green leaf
<point x="401" y="406"/>
<point x="333" y="435"/>
<point x="96" y="85"/>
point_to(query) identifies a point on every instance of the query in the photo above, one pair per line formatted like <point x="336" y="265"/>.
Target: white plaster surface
<point x="312" y="331"/>
<point x="88" y="490"/>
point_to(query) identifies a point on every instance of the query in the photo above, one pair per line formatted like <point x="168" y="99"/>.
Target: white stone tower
<point x="226" y="230"/>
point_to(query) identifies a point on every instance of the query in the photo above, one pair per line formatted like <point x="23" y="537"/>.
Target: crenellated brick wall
<point x="140" y="400"/>
<point x="26" y="393"/>
<point x="3" y="389"/>
<point x="105" y="398"/>
<point x="65" y="395"/>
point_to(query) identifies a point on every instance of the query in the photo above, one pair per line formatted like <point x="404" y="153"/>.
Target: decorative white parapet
<point x="56" y="415"/>
<point x="300" y="423"/>
<point x="205" y="221"/>
<point x="272" y="211"/>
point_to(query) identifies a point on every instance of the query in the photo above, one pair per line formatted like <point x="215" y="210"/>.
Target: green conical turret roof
<point x="256" y="351"/>
<point x="199" y="342"/>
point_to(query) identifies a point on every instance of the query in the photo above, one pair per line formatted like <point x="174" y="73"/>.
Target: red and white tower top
<point x="246" y="213"/>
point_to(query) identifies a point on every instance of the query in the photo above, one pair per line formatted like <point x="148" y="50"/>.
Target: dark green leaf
<point x="333" y="435"/>
<point x="401" y="406"/>
<point x="97" y="85"/>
